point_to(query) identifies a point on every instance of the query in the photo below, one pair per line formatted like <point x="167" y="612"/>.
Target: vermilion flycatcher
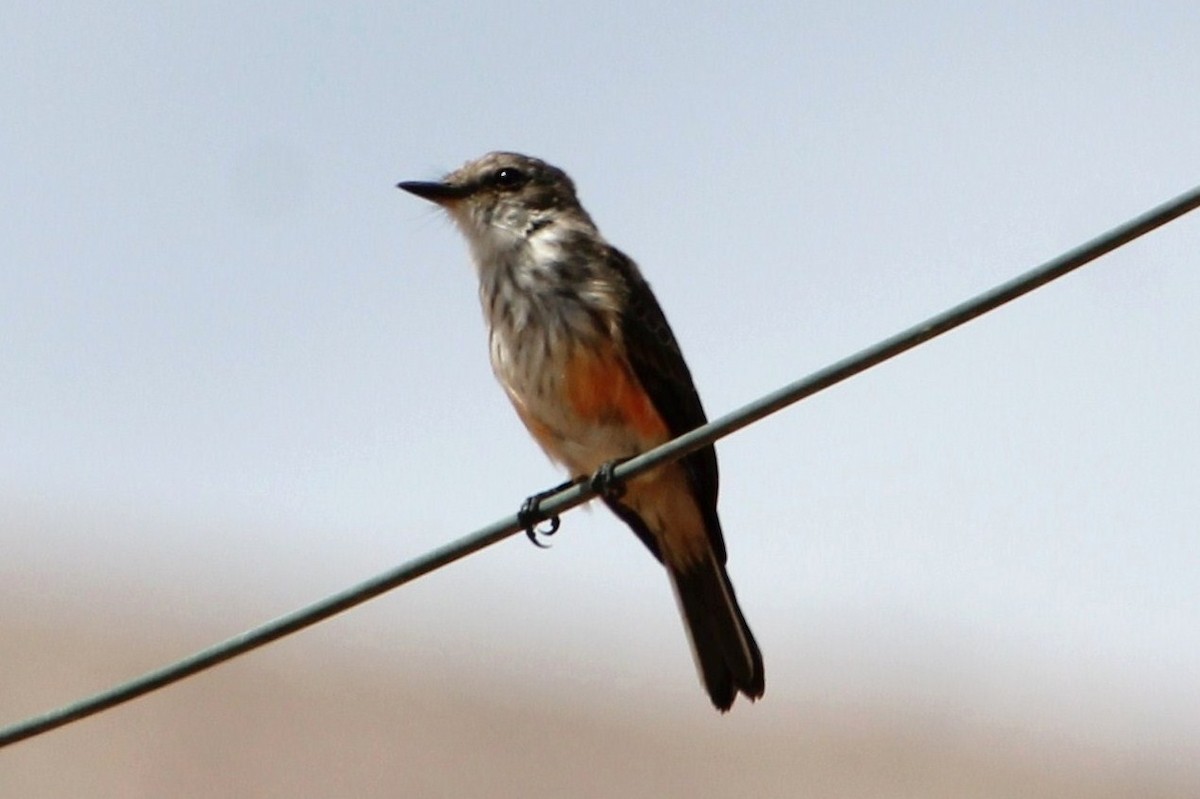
<point x="587" y="358"/>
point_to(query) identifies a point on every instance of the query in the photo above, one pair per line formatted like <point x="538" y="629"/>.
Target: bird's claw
<point x="605" y="483"/>
<point x="531" y="514"/>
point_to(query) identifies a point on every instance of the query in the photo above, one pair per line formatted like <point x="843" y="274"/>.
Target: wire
<point x="568" y="498"/>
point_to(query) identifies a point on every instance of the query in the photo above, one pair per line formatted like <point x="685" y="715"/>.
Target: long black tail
<point x="726" y="653"/>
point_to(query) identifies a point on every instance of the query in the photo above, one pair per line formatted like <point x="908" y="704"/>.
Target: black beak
<point x="434" y="192"/>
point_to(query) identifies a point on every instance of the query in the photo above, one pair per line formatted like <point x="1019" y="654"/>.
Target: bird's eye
<point x="508" y="177"/>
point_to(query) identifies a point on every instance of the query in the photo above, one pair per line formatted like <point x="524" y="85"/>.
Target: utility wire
<point x="568" y="498"/>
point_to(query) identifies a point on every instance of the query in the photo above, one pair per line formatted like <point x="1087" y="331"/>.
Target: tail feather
<point x="727" y="656"/>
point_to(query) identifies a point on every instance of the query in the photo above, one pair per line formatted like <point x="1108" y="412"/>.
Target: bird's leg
<point x="530" y="514"/>
<point x="604" y="483"/>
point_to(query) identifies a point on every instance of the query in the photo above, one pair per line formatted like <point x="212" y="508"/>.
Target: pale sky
<point x="240" y="367"/>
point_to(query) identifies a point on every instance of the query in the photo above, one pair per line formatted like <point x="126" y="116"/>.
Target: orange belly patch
<point x="601" y="388"/>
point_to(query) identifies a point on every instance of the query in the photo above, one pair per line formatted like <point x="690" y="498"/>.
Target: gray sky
<point x="238" y="363"/>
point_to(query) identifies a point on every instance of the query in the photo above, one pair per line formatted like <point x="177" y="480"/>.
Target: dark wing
<point x="659" y="367"/>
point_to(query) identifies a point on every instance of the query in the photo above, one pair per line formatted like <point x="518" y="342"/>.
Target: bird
<point x="583" y="350"/>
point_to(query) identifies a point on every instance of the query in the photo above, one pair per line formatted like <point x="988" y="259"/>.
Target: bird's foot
<point x="531" y="514"/>
<point x="604" y="483"/>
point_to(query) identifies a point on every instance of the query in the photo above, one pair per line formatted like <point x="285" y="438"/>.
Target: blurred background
<point x="242" y="371"/>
